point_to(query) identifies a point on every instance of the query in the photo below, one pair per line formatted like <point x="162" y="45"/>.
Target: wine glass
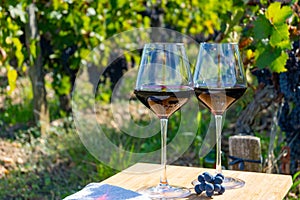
<point x="219" y="81"/>
<point x="163" y="85"/>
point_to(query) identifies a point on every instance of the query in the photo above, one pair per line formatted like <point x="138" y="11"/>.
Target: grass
<point x="59" y="165"/>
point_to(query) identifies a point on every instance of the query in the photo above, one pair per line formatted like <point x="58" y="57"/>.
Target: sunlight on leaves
<point x="280" y="37"/>
<point x="278" y="65"/>
<point x="12" y="77"/>
<point x="277" y="14"/>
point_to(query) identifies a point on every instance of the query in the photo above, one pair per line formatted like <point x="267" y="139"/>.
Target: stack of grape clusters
<point x="210" y="184"/>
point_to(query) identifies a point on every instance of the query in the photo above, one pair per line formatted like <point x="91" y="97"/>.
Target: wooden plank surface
<point x="258" y="185"/>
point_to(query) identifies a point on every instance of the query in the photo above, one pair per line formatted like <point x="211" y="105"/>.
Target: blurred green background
<point x="44" y="42"/>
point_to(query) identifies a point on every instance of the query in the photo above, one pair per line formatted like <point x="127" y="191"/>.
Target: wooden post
<point x="246" y="152"/>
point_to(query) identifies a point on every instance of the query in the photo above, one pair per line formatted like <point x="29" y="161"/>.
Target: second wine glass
<point x="219" y="81"/>
<point x="164" y="84"/>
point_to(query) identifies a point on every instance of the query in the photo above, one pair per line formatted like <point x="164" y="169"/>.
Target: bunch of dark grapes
<point x="210" y="184"/>
<point x="263" y="76"/>
<point x="289" y="118"/>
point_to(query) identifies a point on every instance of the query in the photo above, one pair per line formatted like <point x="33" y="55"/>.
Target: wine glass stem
<point x="164" y="126"/>
<point x="218" y="140"/>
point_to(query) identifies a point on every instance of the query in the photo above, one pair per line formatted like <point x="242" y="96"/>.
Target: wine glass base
<point x="165" y="192"/>
<point x="232" y="183"/>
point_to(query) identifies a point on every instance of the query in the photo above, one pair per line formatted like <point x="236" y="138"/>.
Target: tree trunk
<point x="65" y="103"/>
<point x="36" y="73"/>
<point x="262" y="100"/>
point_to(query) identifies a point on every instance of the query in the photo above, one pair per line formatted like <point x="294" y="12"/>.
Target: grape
<point x="209" y="193"/>
<point x="288" y="85"/>
<point x="209" y="187"/>
<point x="289" y="117"/>
<point x="210" y="184"/>
<point x="208" y="177"/>
<point x="220" y="175"/>
<point x="217" y="187"/>
<point x="202" y="186"/>
<point x="198" y="190"/>
<point x="201" y="178"/>
<point x="218" y="180"/>
<point x="284" y="118"/>
<point x="263" y="76"/>
<point x="222" y="190"/>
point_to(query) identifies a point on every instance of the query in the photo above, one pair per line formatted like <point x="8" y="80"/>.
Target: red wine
<point x="217" y="100"/>
<point x="163" y="103"/>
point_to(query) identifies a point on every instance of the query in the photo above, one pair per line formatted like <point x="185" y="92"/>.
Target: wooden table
<point x="258" y="185"/>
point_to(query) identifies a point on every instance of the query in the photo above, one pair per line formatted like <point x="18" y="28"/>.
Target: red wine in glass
<point x="164" y="103"/>
<point x="218" y="100"/>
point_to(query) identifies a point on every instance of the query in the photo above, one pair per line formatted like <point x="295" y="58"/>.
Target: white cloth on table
<point x="100" y="191"/>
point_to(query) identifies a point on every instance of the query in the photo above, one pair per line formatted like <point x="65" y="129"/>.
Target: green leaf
<point x="266" y="55"/>
<point x="264" y="2"/>
<point x="84" y="53"/>
<point x="11" y="77"/>
<point x="295" y="184"/>
<point x="33" y="48"/>
<point x="278" y="65"/>
<point x="55" y="4"/>
<point x="114" y="3"/>
<point x="277" y="14"/>
<point x="280" y="37"/>
<point x="274" y="58"/>
<point x="18" y="53"/>
<point x="64" y="85"/>
<point x="262" y="28"/>
<point x="296" y="175"/>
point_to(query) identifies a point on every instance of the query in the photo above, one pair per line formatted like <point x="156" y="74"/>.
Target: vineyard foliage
<point x="67" y="30"/>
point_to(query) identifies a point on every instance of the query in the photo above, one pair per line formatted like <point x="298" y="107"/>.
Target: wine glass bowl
<point x="164" y="84"/>
<point x="219" y="81"/>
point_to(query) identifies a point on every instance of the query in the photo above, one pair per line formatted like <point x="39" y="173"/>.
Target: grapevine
<point x="289" y="119"/>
